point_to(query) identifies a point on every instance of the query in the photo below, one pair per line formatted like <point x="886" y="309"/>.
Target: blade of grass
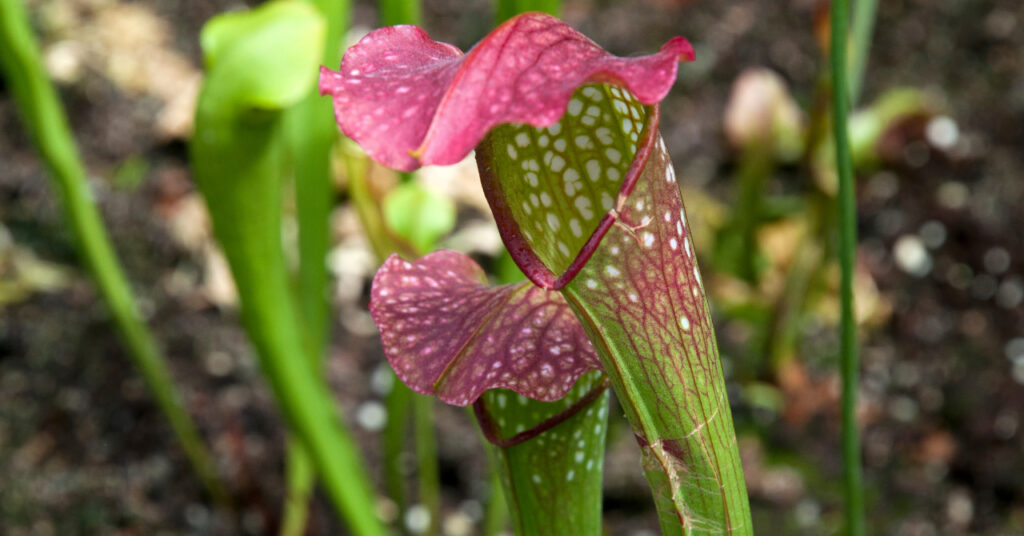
<point x="311" y="132"/>
<point x="399" y="407"/>
<point x="42" y="112"/>
<point x="860" y="38"/>
<point x="428" y="474"/>
<point x="848" y="359"/>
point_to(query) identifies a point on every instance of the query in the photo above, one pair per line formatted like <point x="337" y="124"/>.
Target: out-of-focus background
<point x="940" y="283"/>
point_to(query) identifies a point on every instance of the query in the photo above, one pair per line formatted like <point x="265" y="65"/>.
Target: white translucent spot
<point x="593" y="169"/>
<point x="591" y="283"/>
<point x="417" y="519"/>
<point x="570" y="475"/>
<point x="553" y="222"/>
<point x="673" y="244"/>
<point x="574" y="226"/>
<point x="557" y="163"/>
<point x="526" y="207"/>
<point x="572" y="181"/>
<point x="606" y="201"/>
<point x="522" y="139"/>
<point x="372" y="416"/>
<point x="942" y="132"/>
<point x="584" y="142"/>
<point x="563" y="248"/>
<point x="614" y="174"/>
<point x="543" y="141"/>
<point x="614" y="155"/>
<point x="536" y="478"/>
<point x="555" y="129"/>
<point x="639" y="205"/>
<point x="546" y="199"/>
<point x="560" y="144"/>
<point x="612" y="271"/>
<point x="512" y="152"/>
<point x="648" y="240"/>
<point x="604" y="135"/>
<point x="684" y="323"/>
<point x="911" y="256"/>
<point x="583" y="205"/>
<point x="575" y="107"/>
<point x="633" y="297"/>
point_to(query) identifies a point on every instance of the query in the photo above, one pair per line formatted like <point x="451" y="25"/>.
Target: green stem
<point x="496" y="515"/>
<point x="312" y="132"/>
<point x="368" y="209"/>
<point x="399" y="404"/>
<point x="426" y="460"/>
<point x="863" y="27"/>
<point x="42" y="112"/>
<point x="848" y="360"/>
<point x="394" y="12"/>
<point x="299" y="478"/>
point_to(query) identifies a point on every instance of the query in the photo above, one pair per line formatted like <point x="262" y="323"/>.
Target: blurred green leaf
<point x="266" y="57"/>
<point x="419" y="215"/>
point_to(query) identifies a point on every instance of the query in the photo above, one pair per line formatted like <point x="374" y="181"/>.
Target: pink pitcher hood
<point x="410" y="101"/>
